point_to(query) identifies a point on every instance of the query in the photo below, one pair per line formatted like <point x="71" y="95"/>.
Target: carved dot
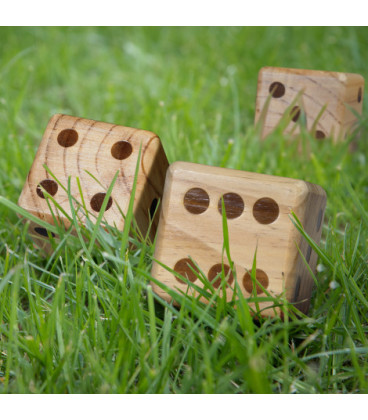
<point x="43" y="232"/>
<point x="265" y="210"/>
<point x="309" y="253"/>
<point x="319" y="220"/>
<point x="182" y="267"/>
<point x="67" y="138"/>
<point x="49" y="185"/>
<point x="360" y="94"/>
<point x="277" y="89"/>
<point x="97" y="200"/>
<point x="196" y="200"/>
<point x="216" y="270"/>
<point x="121" y="150"/>
<point x="153" y="207"/>
<point x="234" y="205"/>
<point x="295" y="113"/>
<point x="262" y="279"/>
<point x="320" y="135"/>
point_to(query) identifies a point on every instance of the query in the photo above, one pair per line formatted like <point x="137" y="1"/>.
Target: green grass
<point x="86" y="319"/>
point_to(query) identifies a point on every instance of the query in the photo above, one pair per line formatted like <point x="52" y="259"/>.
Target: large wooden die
<point x="328" y="100"/>
<point x="71" y="147"/>
<point x="258" y="209"/>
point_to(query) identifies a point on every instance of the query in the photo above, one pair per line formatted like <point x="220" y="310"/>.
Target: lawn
<point x="86" y="320"/>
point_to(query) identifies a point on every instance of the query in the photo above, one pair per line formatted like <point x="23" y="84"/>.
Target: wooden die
<point x="72" y="146"/>
<point x="328" y="100"/>
<point x="258" y="209"/>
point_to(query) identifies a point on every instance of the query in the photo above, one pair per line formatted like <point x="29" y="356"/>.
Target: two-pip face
<point x="257" y="209"/>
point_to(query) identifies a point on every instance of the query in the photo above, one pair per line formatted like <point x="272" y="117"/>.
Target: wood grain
<point x="295" y="91"/>
<point x="260" y="224"/>
<point x="72" y="146"/>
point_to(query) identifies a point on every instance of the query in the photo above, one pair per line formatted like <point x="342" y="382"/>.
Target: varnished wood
<point x="294" y="91"/>
<point x="260" y="206"/>
<point x="71" y="146"/>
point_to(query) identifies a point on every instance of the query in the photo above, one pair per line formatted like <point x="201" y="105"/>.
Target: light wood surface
<point x="258" y="208"/>
<point x="71" y="146"/>
<point x="297" y="91"/>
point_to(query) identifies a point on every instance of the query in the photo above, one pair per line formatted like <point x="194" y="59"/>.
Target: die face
<point x="322" y="96"/>
<point x="72" y="146"/>
<point x="258" y="209"/>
